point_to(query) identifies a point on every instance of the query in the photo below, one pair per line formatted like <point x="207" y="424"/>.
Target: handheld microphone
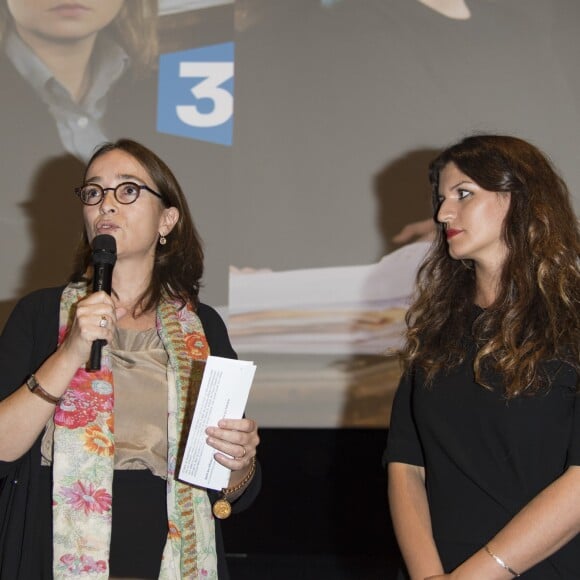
<point x="104" y="258"/>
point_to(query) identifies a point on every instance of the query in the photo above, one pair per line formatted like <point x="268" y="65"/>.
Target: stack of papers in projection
<point x="341" y="310"/>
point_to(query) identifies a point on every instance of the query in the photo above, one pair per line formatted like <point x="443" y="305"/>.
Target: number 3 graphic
<point x="213" y="75"/>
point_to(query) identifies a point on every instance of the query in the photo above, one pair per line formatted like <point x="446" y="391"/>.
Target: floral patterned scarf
<point x="84" y="451"/>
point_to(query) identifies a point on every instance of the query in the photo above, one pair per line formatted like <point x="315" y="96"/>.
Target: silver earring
<point x="162" y="240"/>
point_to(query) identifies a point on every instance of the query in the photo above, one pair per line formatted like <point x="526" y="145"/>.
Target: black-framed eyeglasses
<point x="125" y="193"/>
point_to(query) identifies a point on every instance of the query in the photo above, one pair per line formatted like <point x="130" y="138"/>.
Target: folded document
<point x="223" y="394"/>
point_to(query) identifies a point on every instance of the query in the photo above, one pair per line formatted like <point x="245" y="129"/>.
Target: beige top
<point x="139" y="364"/>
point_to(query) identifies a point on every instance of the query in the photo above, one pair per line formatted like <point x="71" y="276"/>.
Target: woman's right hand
<point x="23" y="415"/>
<point x="95" y="318"/>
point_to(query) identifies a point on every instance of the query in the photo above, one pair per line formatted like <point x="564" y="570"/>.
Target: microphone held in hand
<point x="104" y="258"/>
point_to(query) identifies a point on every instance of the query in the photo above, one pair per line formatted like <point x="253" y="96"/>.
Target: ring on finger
<point x="103" y="322"/>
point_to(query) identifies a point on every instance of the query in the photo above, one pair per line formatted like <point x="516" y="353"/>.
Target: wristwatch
<point x="35" y="388"/>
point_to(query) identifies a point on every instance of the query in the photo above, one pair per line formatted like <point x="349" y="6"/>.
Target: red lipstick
<point x="451" y="233"/>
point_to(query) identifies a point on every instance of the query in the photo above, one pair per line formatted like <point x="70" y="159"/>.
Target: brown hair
<point x="178" y="265"/>
<point x="136" y="31"/>
<point x="535" y="317"/>
<point x="134" y="28"/>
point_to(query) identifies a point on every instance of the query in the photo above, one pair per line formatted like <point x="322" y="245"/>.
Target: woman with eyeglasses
<point x="75" y="499"/>
<point x="484" y="443"/>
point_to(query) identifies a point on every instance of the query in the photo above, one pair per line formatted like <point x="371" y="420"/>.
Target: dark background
<point x="322" y="512"/>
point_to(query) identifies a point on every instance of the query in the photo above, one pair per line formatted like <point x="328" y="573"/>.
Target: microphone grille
<point x="104" y="249"/>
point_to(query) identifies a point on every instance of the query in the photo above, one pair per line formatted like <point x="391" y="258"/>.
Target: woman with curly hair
<point x="484" y="443"/>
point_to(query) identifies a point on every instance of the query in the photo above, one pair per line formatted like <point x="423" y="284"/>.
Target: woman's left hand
<point x="235" y="441"/>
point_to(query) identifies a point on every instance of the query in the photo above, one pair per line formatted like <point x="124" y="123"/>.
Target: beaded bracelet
<point x="502" y="563"/>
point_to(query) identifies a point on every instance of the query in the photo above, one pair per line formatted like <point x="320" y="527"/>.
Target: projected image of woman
<point x="73" y="54"/>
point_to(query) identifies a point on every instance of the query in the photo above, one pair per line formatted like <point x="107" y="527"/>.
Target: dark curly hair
<point x="535" y="317"/>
